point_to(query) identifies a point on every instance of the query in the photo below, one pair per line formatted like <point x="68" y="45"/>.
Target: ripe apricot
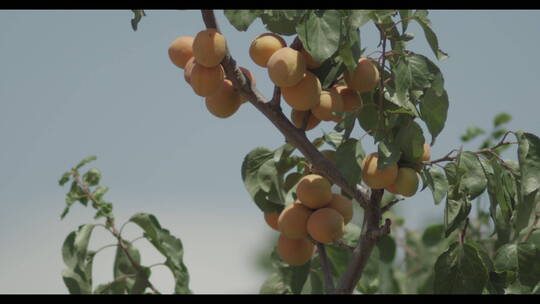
<point x="209" y="47"/>
<point x="295" y="252"/>
<point x="392" y="189"/>
<point x="375" y="178"/>
<point x="326" y="225"/>
<point x="351" y="99"/>
<point x="293" y="220"/>
<point x="286" y="67"/>
<point x="310" y="62"/>
<point x="264" y="46"/>
<point x="406" y="182"/>
<point x="329" y="101"/>
<point x="314" y="191"/>
<point x="188" y="68"/>
<point x="305" y="94"/>
<point x="225" y="102"/>
<point x="271" y="219"/>
<point x="364" y="78"/>
<point x="206" y="81"/>
<point x="343" y="205"/>
<point x="427" y="152"/>
<point x="181" y="50"/>
<point x="298" y="117"/>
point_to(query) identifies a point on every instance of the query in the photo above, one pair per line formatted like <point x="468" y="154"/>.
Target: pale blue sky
<point x="75" y="83"/>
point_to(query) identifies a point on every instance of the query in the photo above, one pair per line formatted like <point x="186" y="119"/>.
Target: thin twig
<point x="388" y="206"/>
<point x="327" y="270"/>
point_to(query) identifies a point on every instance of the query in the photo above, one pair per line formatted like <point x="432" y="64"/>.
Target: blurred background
<point x="77" y="83"/>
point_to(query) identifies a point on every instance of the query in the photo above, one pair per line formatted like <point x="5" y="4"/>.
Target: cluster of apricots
<point x="288" y="68"/>
<point x="317" y="213"/>
<point x="201" y="57"/>
<point x="394" y="179"/>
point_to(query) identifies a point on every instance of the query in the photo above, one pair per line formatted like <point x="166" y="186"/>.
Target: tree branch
<point x="293" y="135"/>
<point x="327" y="270"/>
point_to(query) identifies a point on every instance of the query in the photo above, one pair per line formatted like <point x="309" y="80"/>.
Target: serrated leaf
<point x="387" y="249"/>
<point x="348" y="157"/>
<point x="421" y="17"/>
<point x="320" y="33"/>
<point x="241" y="19"/>
<point x="122" y="266"/>
<point x="138" y="14"/>
<point x="434" y="110"/>
<point x="529" y="165"/>
<point x="85" y="161"/>
<point x="283" y="22"/>
<point x="410" y="139"/>
<point x="433" y="235"/>
<point x="459" y="270"/>
<point x="389" y="154"/>
<point x="501" y="119"/>
<point x="437" y="183"/>
<point x="528" y="264"/>
<point x="474" y="181"/>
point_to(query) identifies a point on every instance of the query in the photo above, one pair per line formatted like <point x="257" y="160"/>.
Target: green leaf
<point x="422" y="72"/>
<point x="437" y="183"/>
<point x="420" y="16"/>
<point x="359" y="17"/>
<point x="329" y="71"/>
<point x="387" y="249"/>
<point x="433" y="235"/>
<point x="528" y="264"/>
<point x="111" y="288"/>
<point x="456" y="211"/>
<point x="529" y="165"/>
<point x="64" y="179"/>
<point x="123" y="266"/>
<point x="138" y="14"/>
<point x="459" y="270"/>
<point x="403" y="79"/>
<point x="434" y="110"/>
<point x="85" y="161"/>
<point x="283" y="22"/>
<point x="348" y="157"/>
<point x="78" y="276"/>
<point x="506" y="258"/>
<point x="501" y="119"/>
<point x="241" y="19"/>
<point x="405" y="15"/>
<point x="267" y="175"/>
<point x="333" y="139"/>
<point x="389" y="154"/>
<point x="471" y="133"/>
<point x="410" y="139"/>
<point x="473" y="181"/>
<point x="169" y="246"/>
<point x="92" y="177"/>
<point x="368" y="117"/>
<point x="320" y="33"/>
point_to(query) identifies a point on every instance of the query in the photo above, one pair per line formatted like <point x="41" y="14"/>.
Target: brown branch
<point x="391" y="204"/>
<point x="293" y="135"/>
<point x="327" y="270"/>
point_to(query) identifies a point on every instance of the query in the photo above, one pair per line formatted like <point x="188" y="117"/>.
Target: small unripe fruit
<point x="310" y="62"/>
<point x="206" y="81"/>
<point x="272" y="220"/>
<point x="351" y="99"/>
<point x="329" y="101"/>
<point x="298" y="117"/>
<point x="293" y="220"/>
<point x="314" y="191"/>
<point x="188" y="68"/>
<point x="375" y="178"/>
<point x="286" y="67"/>
<point x="364" y="78"/>
<point x="326" y="225"/>
<point x="406" y="182"/>
<point x="295" y="252"/>
<point x="264" y="46"/>
<point x="427" y="152"/>
<point x="343" y="205"/>
<point x="305" y="94"/>
<point x="209" y="48"/>
<point x="181" y="50"/>
<point x="225" y="102"/>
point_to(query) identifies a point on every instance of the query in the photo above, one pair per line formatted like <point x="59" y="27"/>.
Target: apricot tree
<point x="332" y="207"/>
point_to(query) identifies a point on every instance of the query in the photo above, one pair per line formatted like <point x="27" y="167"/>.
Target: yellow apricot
<point x="206" y="81"/>
<point x="326" y="225"/>
<point x="314" y="191"/>
<point x="310" y="62"/>
<point x="351" y="99"/>
<point x="329" y="101"/>
<point x="181" y="50"/>
<point x="375" y="178"/>
<point x="295" y="252"/>
<point x="305" y="94"/>
<point x="298" y="117"/>
<point x="188" y="68"/>
<point x="293" y="220"/>
<point x="271" y="219"/>
<point x="406" y="182"/>
<point x="225" y="102"/>
<point x="286" y="67"/>
<point x="209" y="47"/>
<point x="392" y="189"/>
<point x="427" y="152"/>
<point x="343" y="205"/>
<point x="264" y="46"/>
<point x="364" y="78"/>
